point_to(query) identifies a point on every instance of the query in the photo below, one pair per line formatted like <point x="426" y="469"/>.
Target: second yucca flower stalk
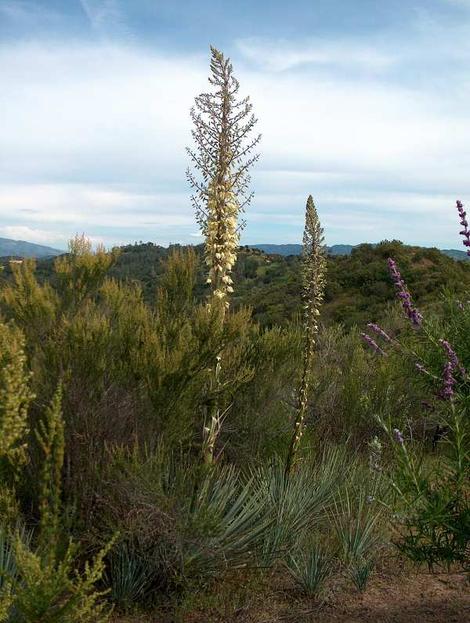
<point x="313" y="274"/>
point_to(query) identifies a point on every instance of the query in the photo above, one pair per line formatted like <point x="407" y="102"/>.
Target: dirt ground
<point x="406" y="597"/>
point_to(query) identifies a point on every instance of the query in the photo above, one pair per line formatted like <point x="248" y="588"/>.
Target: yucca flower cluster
<point x="222" y="238"/>
<point x="403" y="294"/>
<point x="222" y="158"/>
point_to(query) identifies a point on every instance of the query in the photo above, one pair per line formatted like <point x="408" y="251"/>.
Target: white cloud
<point x="106" y="17"/>
<point x="22" y="232"/>
<point x="282" y="55"/>
<point x="95" y="137"/>
<point x="85" y="205"/>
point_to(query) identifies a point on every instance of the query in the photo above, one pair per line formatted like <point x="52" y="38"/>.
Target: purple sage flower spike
<point x="465" y="232"/>
<point x="448" y="382"/>
<point x="373" y="344"/>
<point x="379" y="331"/>
<point x="452" y="356"/>
<point x="403" y="295"/>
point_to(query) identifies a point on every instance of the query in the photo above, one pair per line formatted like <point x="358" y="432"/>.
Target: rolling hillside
<point x="358" y="289"/>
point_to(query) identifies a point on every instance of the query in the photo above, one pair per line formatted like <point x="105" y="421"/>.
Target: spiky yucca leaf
<point x="356" y="521"/>
<point x="224" y="524"/>
<point x="296" y="501"/>
<point x="309" y="568"/>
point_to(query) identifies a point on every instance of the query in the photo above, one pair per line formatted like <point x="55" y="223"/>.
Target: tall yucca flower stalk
<point x="221" y="159"/>
<point x="313" y="273"/>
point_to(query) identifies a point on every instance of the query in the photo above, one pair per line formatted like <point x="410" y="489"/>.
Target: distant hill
<point x="20" y="248"/>
<point x="456" y="254"/>
<point x="296" y="249"/>
<point x="338" y="249"/>
<point x="279" y="249"/>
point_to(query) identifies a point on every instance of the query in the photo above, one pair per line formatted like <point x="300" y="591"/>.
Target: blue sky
<point x="363" y="104"/>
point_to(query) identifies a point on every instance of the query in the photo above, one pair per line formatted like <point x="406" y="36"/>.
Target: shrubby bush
<point x="432" y="495"/>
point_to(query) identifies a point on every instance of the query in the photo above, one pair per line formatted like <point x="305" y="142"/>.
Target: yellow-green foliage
<point x="45" y="586"/>
<point x="175" y="296"/>
<point x="51" y="590"/>
<point x="34" y="307"/>
<point x="81" y="271"/>
<point x="6" y="600"/>
<point x="50" y="437"/>
<point x="131" y="370"/>
<point x="15" y="396"/>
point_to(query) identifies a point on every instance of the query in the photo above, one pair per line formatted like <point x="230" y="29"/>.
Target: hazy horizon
<point x="253" y="244"/>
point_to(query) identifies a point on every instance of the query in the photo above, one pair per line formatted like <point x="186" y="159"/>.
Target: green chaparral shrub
<point x="15" y="398"/>
<point x="432" y="493"/>
<point x="258" y="428"/>
<point x="47" y="586"/>
<point x="38" y="578"/>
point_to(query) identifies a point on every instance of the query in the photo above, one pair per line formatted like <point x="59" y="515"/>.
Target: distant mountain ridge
<point x="339" y="249"/>
<point x="21" y="248"/>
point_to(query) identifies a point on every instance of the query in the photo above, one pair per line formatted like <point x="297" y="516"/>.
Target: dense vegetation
<point x="167" y="422"/>
<point x="358" y="288"/>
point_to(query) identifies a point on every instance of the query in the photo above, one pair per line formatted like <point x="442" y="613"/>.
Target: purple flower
<point x="465" y="232"/>
<point x="370" y="342"/>
<point x="398" y="436"/>
<point x="451" y="354"/>
<point x="376" y="329"/>
<point x="448" y="382"/>
<point x="403" y="294"/>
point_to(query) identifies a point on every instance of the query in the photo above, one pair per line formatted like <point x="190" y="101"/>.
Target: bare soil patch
<point x="403" y="597"/>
